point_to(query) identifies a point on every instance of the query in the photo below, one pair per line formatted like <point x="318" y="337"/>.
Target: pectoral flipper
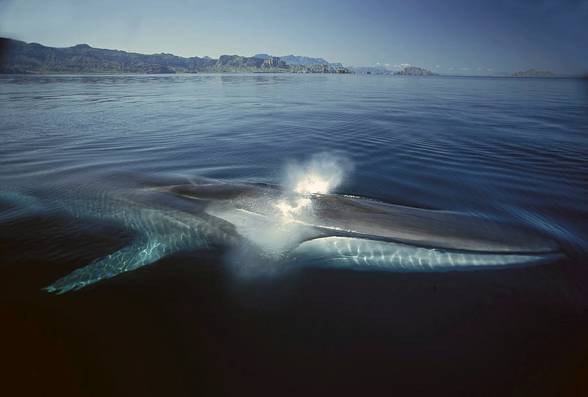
<point x="129" y="258"/>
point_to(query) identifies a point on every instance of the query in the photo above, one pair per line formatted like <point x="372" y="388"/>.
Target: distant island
<point x="418" y="71"/>
<point x="534" y="73"/>
<point x="33" y="58"/>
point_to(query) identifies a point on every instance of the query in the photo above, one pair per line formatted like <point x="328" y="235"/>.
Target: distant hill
<point x="304" y="61"/>
<point x="304" y="64"/>
<point x="20" y="57"/>
<point x="414" y="71"/>
<point x="534" y="73"/>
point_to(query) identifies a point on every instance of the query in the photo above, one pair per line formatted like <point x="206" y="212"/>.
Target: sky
<point x="446" y="36"/>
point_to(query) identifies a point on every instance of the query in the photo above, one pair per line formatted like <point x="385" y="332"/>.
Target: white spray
<point x="322" y="174"/>
<point x="288" y="217"/>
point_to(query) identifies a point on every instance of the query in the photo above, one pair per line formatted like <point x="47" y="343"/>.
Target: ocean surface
<point x="506" y="149"/>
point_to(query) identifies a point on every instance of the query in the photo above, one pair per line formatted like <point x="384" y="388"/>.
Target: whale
<point x="366" y="234"/>
<point x="266" y="227"/>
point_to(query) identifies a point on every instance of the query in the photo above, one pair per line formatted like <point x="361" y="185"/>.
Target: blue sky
<point x="448" y="36"/>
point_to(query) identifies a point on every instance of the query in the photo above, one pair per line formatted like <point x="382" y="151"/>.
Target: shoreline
<point x="288" y="73"/>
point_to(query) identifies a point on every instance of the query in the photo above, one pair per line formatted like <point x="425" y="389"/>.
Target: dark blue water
<point x="501" y="148"/>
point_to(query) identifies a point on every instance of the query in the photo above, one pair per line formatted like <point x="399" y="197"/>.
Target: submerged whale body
<point x="296" y="230"/>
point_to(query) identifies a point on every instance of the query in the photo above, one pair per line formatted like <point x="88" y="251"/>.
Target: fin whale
<point x="365" y="234"/>
<point x="352" y="216"/>
<point x="296" y="230"/>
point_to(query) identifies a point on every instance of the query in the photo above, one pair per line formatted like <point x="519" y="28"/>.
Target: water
<point x="499" y="148"/>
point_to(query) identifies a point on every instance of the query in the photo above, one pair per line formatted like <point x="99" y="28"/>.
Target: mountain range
<point x="33" y="58"/>
<point x="20" y="57"/>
